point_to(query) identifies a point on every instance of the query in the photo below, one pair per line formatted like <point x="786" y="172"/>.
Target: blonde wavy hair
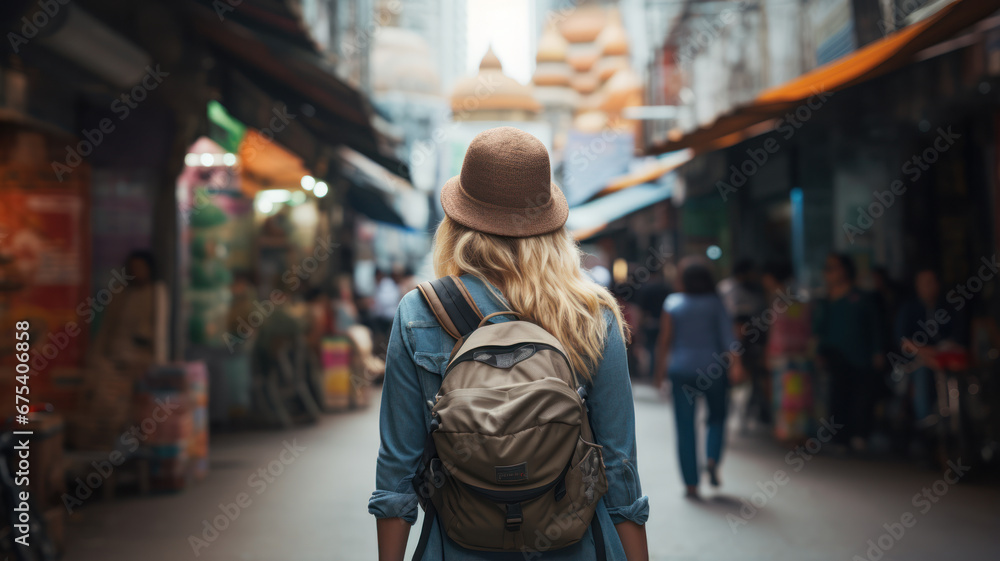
<point x="540" y="278"/>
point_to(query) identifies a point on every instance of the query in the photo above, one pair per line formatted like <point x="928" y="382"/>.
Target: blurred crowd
<point x="871" y="360"/>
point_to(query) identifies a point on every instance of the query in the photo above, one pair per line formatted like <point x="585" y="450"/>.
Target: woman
<point x="503" y="234"/>
<point x="696" y="339"/>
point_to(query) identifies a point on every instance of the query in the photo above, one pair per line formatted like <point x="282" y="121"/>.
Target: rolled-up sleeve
<point x="402" y="431"/>
<point x="612" y="415"/>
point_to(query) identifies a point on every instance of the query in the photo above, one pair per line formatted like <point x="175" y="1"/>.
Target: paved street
<point x="315" y="509"/>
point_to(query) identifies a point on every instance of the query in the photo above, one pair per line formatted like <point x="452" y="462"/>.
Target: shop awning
<point x="591" y="218"/>
<point x="649" y="173"/>
<point x="267" y="165"/>
<point x="373" y="204"/>
<point x="357" y="164"/>
<point x="871" y="61"/>
<point x="270" y="48"/>
<point x="380" y="194"/>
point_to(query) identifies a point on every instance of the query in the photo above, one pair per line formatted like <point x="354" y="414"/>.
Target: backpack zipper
<point x="470" y="354"/>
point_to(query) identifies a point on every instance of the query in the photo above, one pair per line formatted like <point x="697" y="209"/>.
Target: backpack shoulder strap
<point x="452" y="305"/>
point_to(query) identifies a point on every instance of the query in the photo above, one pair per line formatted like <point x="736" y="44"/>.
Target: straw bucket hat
<point x="505" y="187"/>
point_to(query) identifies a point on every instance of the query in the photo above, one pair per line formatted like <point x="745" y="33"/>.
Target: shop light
<point x="619" y="270"/>
<point x="308" y="182"/>
<point x="321" y="189"/>
<point x="713" y="252"/>
<point x="192" y="160"/>
<point x="275" y="195"/>
<point x="207" y="160"/>
<point x="269" y="198"/>
<point x="229" y="159"/>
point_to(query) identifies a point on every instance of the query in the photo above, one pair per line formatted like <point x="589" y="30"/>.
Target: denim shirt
<point x="417" y="356"/>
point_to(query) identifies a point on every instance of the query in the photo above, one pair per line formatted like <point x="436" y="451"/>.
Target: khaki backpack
<point x="509" y="463"/>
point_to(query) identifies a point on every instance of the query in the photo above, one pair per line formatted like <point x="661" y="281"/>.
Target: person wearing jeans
<point x="697" y="340"/>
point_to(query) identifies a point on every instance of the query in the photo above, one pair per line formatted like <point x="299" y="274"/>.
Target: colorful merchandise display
<point x="171" y="410"/>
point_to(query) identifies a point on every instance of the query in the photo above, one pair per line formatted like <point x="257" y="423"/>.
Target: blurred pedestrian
<point x="922" y="335"/>
<point x="319" y="317"/>
<point x="345" y="309"/>
<point x="740" y="292"/>
<point x="696" y="341"/>
<point x="133" y="332"/>
<point x="788" y="355"/>
<point x="385" y="301"/>
<point x="743" y="297"/>
<point x="404" y="278"/>
<point x="849" y="339"/>
<point x="888" y="298"/>
<point x="650" y="298"/>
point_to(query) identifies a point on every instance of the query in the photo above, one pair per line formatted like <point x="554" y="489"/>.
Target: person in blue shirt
<point x="697" y="340"/>
<point x="504" y="235"/>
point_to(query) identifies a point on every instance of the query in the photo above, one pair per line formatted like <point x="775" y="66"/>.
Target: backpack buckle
<point x="437" y="473"/>
<point x="514" y="517"/>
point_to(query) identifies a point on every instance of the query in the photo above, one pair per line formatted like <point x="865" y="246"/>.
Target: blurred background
<point x="209" y="210"/>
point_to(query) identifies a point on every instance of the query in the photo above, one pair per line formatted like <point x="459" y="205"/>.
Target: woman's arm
<point x="392" y="536"/>
<point x="402" y="428"/>
<point x="633" y="537"/>
<point x="612" y="416"/>
<point x="663" y="342"/>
